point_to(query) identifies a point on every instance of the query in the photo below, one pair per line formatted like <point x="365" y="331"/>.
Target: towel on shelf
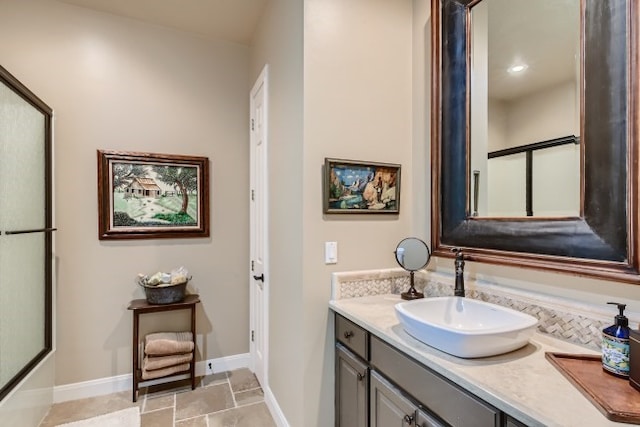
<point x="151" y="363"/>
<point x="166" y="343"/>
<point x="157" y="373"/>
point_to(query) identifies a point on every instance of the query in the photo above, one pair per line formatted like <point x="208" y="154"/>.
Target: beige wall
<point x="546" y="114"/>
<point x="120" y="84"/>
<point x="278" y="42"/>
<point x="421" y="120"/>
<point x="357" y="105"/>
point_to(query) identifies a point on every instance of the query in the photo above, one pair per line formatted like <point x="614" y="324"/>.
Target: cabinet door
<point x="352" y="384"/>
<point x="389" y="408"/>
<point x="424" y="419"/>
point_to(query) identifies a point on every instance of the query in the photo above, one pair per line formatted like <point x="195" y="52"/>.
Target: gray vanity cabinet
<point x="352" y="385"/>
<point x="377" y="385"/>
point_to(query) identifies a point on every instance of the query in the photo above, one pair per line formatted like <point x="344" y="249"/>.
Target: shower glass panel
<point x="507" y="178"/>
<point x="556" y="181"/>
<point x="25" y="236"/>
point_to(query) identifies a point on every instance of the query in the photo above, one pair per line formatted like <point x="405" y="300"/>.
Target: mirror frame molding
<point x="602" y="241"/>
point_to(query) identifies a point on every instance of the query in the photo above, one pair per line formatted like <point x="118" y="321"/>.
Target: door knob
<point x="260" y="277"/>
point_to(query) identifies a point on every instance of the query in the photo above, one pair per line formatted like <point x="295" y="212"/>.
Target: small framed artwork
<point x="361" y="187"/>
<point x="148" y="195"/>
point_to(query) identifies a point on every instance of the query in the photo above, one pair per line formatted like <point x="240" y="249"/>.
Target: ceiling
<point x="543" y="34"/>
<point x="231" y="20"/>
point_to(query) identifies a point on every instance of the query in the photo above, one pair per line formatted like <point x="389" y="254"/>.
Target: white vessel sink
<point x="465" y="327"/>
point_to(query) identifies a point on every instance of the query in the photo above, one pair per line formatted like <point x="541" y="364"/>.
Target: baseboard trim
<point x="274" y="408"/>
<point x="118" y="383"/>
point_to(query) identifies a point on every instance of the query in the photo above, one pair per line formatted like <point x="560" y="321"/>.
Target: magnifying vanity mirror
<point x="412" y="254"/>
<point x="534" y="139"/>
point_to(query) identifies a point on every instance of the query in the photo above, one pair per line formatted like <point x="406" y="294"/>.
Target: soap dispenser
<point x="615" y="345"/>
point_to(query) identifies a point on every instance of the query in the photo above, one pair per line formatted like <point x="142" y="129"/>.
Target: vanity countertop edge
<point x="522" y="383"/>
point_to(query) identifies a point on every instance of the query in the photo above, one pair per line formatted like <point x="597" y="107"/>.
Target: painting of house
<point x="143" y="187"/>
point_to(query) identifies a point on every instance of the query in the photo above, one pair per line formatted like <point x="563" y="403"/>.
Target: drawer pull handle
<point x="348" y="334"/>
<point x="360" y="376"/>
<point x="408" y="419"/>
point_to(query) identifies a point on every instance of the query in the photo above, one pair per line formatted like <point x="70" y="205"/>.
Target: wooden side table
<point x="141" y="306"/>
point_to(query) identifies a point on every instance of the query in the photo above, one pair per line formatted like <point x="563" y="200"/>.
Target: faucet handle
<point x="459" y="254"/>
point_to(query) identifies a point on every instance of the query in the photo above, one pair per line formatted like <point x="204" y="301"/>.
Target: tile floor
<point x="229" y="399"/>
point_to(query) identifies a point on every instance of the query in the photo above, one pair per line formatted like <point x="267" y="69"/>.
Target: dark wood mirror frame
<point x="603" y="241"/>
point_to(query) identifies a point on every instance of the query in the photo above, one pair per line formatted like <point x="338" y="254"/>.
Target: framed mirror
<point x="596" y="234"/>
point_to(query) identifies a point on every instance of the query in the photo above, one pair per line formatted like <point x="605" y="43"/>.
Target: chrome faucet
<point x="459" y="263"/>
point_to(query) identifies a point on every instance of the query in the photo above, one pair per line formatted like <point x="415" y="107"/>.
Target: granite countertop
<point x="522" y="383"/>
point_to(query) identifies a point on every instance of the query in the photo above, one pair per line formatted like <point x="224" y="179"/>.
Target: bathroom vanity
<point x="385" y="377"/>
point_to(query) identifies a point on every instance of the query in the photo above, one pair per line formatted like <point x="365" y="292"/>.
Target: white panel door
<point x="259" y="274"/>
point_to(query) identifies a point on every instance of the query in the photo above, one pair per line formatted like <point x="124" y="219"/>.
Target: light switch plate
<point x="330" y="252"/>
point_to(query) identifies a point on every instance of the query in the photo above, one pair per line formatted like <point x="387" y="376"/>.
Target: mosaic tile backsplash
<point x="579" y="323"/>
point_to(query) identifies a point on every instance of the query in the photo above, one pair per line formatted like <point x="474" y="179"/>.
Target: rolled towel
<point x="157" y="373"/>
<point x="151" y="363"/>
<point x="166" y="343"/>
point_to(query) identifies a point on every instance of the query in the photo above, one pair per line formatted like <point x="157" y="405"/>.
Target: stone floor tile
<point x="193" y="422"/>
<point x="155" y="402"/>
<point x="203" y="401"/>
<point x="81" y="409"/>
<point x="213" y="379"/>
<point x="167" y="388"/>
<point x="245" y="416"/>
<point x="242" y="380"/>
<point x="250" y="396"/>
<point x="210" y="405"/>
<point x="159" y="418"/>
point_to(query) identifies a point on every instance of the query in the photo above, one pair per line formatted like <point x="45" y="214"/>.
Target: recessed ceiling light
<point x="517" y="68"/>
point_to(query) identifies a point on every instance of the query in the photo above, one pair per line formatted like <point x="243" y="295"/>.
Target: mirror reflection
<point x="525" y="108"/>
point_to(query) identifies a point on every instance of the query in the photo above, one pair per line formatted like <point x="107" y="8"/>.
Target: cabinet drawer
<point x="352" y="336"/>
<point x="454" y="405"/>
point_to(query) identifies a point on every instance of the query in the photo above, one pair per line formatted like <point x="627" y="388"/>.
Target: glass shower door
<point x="25" y="232"/>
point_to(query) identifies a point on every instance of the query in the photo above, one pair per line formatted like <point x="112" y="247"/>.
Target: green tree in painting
<point x="185" y="179"/>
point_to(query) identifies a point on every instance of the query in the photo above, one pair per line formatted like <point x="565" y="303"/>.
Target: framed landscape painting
<point x="361" y="187"/>
<point x="148" y="195"/>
